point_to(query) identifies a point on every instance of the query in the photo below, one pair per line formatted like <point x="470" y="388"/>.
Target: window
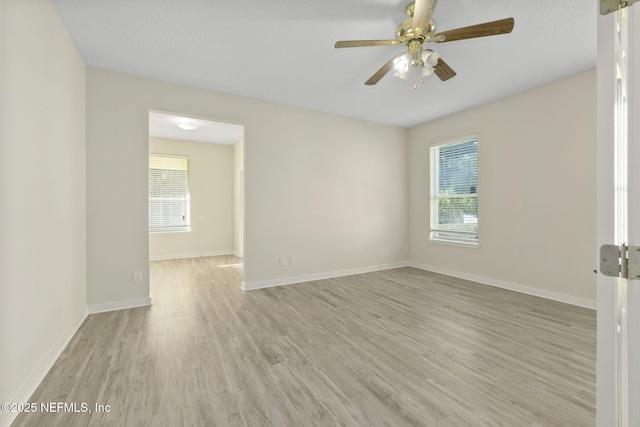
<point x="454" y="195"/>
<point x="168" y="194"/>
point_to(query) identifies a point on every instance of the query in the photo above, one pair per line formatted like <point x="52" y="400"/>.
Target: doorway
<point x="196" y="189"/>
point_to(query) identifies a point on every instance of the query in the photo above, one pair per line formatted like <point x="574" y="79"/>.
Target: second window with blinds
<point x="169" y="201"/>
<point x="454" y="191"/>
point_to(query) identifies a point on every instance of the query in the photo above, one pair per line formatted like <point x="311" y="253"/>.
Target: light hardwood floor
<point x="394" y="348"/>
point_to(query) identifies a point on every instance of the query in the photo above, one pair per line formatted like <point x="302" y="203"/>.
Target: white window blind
<point x="169" y="202"/>
<point x="454" y="191"/>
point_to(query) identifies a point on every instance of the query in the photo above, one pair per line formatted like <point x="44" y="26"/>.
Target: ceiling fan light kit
<point x="415" y="66"/>
<point x="416" y="62"/>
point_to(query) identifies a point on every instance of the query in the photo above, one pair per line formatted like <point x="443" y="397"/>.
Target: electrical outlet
<point x="137" y="276"/>
<point x="292" y="260"/>
<point x="540" y="268"/>
<point x="283" y="260"/>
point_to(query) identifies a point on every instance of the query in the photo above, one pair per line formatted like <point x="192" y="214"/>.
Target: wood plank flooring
<point x="401" y="347"/>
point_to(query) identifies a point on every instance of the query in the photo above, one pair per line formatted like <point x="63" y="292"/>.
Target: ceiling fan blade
<point x="422" y="11"/>
<point x="364" y="43"/>
<point x="493" y="28"/>
<point x="382" y="71"/>
<point x="443" y="71"/>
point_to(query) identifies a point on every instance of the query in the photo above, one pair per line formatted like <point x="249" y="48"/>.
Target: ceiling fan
<point x="417" y="30"/>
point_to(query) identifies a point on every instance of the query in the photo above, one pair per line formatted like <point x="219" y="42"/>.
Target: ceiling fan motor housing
<point x="405" y="31"/>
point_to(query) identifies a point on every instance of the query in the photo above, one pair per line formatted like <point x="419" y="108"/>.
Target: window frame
<point x="437" y="234"/>
<point x="170" y="229"/>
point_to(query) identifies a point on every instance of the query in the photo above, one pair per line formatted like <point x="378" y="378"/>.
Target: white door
<point x="618" y="380"/>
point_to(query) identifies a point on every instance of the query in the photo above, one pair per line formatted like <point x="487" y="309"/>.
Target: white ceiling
<point x="164" y="125"/>
<point x="282" y="50"/>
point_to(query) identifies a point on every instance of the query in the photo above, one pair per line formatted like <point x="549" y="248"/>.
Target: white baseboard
<point x="319" y="276"/>
<point x="119" y="305"/>
<point x="542" y="293"/>
<point x="190" y="255"/>
<point x="6" y="418"/>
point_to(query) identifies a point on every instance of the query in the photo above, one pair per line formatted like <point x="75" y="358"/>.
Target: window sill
<point x="168" y="233"/>
<point x="470" y="245"/>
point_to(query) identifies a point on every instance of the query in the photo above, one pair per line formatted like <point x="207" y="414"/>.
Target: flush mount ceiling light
<point x="188" y="126"/>
<point x="416" y="62"/>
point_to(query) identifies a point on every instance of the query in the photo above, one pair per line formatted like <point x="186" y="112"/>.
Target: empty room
<point x="424" y="213"/>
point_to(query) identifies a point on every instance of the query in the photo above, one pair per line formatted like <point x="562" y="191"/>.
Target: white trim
<point x="175" y="156"/>
<point x="169" y="233"/>
<point x="454" y="140"/>
<point x="119" y="305"/>
<point x="460" y="243"/>
<point x="542" y="293"/>
<point x="191" y="255"/>
<point x="23" y="395"/>
<point x="319" y="276"/>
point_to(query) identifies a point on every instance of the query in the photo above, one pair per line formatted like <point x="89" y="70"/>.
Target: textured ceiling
<point x="282" y="50"/>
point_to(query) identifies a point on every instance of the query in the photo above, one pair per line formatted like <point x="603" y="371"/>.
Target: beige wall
<point x="42" y="195"/>
<point x="211" y="191"/>
<point x="329" y="191"/>
<point x="536" y="191"/>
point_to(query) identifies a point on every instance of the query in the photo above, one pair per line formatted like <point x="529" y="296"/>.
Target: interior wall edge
<point x="119" y="305"/>
<point x="250" y="286"/>
<point x="30" y="386"/>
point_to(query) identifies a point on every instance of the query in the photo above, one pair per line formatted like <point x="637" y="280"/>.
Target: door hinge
<point x="608" y="6"/>
<point x="620" y="261"/>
